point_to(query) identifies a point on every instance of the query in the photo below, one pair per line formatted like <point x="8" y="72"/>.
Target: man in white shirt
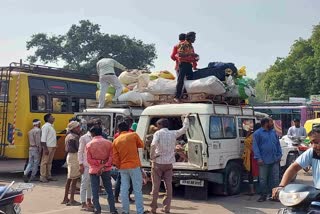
<point x="163" y="156"/>
<point x="85" y="188"/>
<point x="49" y="144"/>
<point x="297" y="130"/>
<point x="107" y="76"/>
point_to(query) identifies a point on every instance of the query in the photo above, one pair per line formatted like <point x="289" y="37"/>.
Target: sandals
<point x="73" y="203"/>
<point x="65" y="202"/>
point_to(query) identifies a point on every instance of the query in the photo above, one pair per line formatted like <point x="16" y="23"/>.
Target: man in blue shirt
<point x="311" y="157"/>
<point x="267" y="151"/>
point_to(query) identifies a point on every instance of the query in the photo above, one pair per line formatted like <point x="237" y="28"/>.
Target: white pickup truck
<point x="214" y="143"/>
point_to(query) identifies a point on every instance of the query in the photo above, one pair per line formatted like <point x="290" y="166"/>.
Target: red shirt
<point x="98" y="150"/>
<point x="175" y="56"/>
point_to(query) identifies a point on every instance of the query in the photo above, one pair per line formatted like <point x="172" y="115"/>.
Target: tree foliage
<point x="80" y="47"/>
<point x="297" y="75"/>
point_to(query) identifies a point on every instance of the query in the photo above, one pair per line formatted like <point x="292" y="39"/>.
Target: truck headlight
<point x="290" y="199"/>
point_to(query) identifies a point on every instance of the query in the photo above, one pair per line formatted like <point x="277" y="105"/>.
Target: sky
<point x="252" y="33"/>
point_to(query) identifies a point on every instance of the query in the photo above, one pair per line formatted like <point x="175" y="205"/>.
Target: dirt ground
<point x="46" y="198"/>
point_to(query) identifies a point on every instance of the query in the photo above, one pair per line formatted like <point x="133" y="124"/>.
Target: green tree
<point x="298" y="74"/>
<point x="80" y="47"/>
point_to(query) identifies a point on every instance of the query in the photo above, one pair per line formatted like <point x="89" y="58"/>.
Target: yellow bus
<point x="28" y="92"/>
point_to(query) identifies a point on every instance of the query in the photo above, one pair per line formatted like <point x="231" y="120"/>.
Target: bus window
<point x="38" y="103"/>
<point x="59" y="105"/>
<point x="91" y="103"/>
<point x="78" y="104"/>
<point x="3" y="90"/>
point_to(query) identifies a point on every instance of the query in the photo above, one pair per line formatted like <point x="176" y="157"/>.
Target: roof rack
<point x="50" y="71"/>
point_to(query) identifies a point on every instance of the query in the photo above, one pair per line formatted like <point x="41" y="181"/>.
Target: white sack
<point x="147" y="99"/>
<point x="209" y="85"/>
<point x="131" y="96"/>
<point x="127" y="78"/>
<point x="162" y="86"/>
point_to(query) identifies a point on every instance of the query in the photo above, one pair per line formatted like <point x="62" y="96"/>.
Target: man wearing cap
<point x="297" y="130"/>
<point x="71" y="147"/>
<point x="34" y="151"/>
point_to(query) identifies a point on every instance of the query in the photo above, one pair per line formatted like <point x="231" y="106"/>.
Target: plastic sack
<point x="167" y="75"/>
<point x="154" y="75"/>
<point x="143" y="82"/>
<point x="209" y="85"/>
<point x="131" y="96"/>
<point x="147" y="99"/>
<point x="162" y="86"/>
<point x="108" y="97"/>
<point x="127" y="78"/>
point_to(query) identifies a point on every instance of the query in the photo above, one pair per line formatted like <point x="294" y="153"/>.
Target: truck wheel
<point x="233" y="178"/>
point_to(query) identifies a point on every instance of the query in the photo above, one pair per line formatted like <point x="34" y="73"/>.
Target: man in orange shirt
<point x="186" y="58"/>
<point x="126" y="159"/>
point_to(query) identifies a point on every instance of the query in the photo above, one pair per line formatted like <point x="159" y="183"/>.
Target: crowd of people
<point x="91" y="158"/>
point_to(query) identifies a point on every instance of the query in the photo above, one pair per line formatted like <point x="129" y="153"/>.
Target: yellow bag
<point x="242" y="71"/>
<point x="154" y="75"/>
<point x="108" y="97"/>
<point x="166" y="75"/>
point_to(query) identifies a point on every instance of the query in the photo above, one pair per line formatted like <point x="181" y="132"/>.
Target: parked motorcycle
<point x="299" y="199"/>
<point x="11" y="196"/>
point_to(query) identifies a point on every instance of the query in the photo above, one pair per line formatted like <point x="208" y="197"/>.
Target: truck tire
<point x="233" y="178"/>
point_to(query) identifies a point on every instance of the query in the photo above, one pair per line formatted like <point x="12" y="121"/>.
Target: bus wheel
<point x="233" y="178"/>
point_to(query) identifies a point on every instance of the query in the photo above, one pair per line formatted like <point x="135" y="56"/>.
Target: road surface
<point x="46" y="198"/>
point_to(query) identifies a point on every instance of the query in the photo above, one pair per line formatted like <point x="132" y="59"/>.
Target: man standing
<point x="163" y="156"/>
<point x="105" y="69"/>
<point x="267" y="151"/>
<point x="186" y="58"/>
<point x="311" y="157"/>
<point x="34" y="151"/>
<point x="182" y="38"/>
<point x="129" y="121"/>
<point x="85" y="188"/>
<point x="297" y="130"/>
<point x="99" y="154"/>
<point x="126" y="159"/>
<point x="71" y="148"/>
<point x="49" y="144"/>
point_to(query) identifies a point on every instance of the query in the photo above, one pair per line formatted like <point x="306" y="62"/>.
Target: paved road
<point x="46" y="198"/>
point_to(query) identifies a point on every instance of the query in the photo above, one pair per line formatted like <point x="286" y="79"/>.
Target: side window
<point x="59" y="104"/>
<point x="4" y="90"/>
<point x="78" y="104"/>
<point x="215" y="128"/>
<point x="229" y="127"/>
<point x="38" y="103"/>
<point x="244" y="126"/>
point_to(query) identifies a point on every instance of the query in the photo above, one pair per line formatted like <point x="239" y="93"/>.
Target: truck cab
<point x="213" y="144"/>
<point x="111" y="116"/>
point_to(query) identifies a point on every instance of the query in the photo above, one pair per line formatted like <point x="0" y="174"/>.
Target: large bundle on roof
<point x="217" y="69"/>
<point x="210" y="85"/>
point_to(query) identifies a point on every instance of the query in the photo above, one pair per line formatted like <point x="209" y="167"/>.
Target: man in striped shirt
<point x="163" y="156"/>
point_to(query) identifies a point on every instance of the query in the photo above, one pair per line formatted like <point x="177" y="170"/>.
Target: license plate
<point x="192" y="182"/>
<point x="17" y="208"/>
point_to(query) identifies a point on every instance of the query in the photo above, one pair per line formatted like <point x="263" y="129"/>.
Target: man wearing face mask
<point x="311" y="157"/>
<point x="267" y="151"/>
